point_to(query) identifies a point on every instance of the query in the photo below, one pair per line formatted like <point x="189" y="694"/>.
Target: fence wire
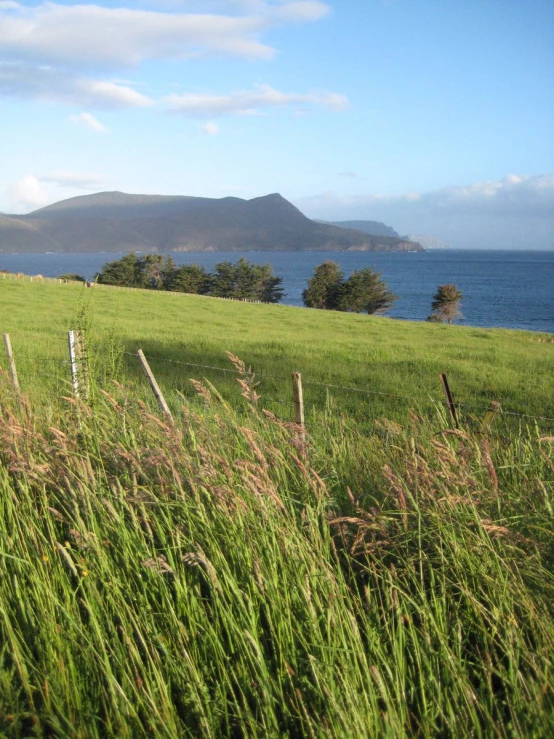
<point x="349" y="388"/>
<point x="28" y="364"/>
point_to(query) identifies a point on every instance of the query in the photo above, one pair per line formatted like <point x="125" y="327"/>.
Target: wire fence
<point x="348" y="388"/>
<point x="276" y="388"/>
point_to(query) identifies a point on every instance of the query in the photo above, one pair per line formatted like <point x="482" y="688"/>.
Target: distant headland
<point x="116" y="222"/>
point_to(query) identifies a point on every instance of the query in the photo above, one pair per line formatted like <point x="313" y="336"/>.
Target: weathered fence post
<point x="153" y="384"/>
<point x="449" y="399"/>
<point x="11" y="362"/>
<point x="298" y="397"/>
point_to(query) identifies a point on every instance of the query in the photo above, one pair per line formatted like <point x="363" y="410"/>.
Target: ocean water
<point x="509" y="289"/>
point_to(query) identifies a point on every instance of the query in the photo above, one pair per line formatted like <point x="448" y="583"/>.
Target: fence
<point x="74" y="375"/>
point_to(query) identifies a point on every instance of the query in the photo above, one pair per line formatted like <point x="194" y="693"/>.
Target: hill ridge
<point x="114" y="221"/>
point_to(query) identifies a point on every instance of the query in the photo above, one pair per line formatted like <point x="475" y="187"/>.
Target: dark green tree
<point x="242" y="280"/>
<point x="446" y="304"/>
<point x="189" y="278"/>
<point x="246" y="281"/>
<point x="365" y="292"/>
<point x="223" y="280"/>
<point x="324" y="287"/>
<point x="270" y="287"/>
<point x="148" y="271"/>
<point x="124" y="272"/>
<point x="152" y="270"/>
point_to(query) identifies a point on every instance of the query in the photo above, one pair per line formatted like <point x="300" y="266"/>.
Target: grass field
<point x="220" y="577"/>
<point x="370" y="353"/>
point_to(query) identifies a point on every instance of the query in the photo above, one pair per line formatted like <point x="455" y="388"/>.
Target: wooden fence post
<point x="449" y="399"/>
<point x="298" y="400"/>
<point x="154" y="385"/>
<point x="11" y="362"/>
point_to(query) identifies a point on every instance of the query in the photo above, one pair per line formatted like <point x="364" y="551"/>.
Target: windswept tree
<point x="123" y="272"/>
<point x="246" y="281"/>
<point x="365" y="292"/>
<point x="153" y="270"/>
<point x="223" y="280"/>
<point x="446" y="304"/>
<point x="324" y="287"/>
<point x="189" y="278"/>
<point x="270" y="286"/>
<point x="242" y="280"/>
<point x="148" y="271"/>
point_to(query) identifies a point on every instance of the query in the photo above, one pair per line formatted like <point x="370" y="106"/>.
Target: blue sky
<point x="436" y="117"/>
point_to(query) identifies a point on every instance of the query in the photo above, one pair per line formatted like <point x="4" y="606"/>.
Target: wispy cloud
<point x="514" y="194"/>
<point x="86" y="35"/>
<point x="249" y="102"/>
<point x="517" y="211"/>
<point x="68" y="53"/>
<point x="89" y="121"/>
<point x="54" y="85"/>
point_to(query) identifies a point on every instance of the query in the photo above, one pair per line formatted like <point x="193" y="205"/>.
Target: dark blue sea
<point x="509" y="289"/>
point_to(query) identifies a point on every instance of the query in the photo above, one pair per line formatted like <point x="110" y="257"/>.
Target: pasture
<point x="221" y="576"/>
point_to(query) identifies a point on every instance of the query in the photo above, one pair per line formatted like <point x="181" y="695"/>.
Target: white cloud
<point x="210" y="128"/>
<point x="34" y="191"/>
<point x="515" y="212"/>
<point x="89" y="121"/>
<point x="54" y="85"/>
<point x="27" y="194"/>
<point x="512" y="195"/>
<point x="117" y="37"/>
<point x="248" y="103"/>
<point x="79" y="180"/>
<point x="55" y="52"/>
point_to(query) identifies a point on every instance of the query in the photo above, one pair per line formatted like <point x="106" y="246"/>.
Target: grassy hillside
<point x="378" y="355"/>
<point x="221" y="576"/>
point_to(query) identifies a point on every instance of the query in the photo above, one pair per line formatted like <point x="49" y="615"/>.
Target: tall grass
<point x="219" y="576"/>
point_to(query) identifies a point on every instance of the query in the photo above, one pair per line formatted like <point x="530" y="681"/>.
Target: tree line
<point x="364" y="291"/>
<point x="242" y="280"/>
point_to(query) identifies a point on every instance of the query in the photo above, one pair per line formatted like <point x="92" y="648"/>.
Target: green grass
<point x="375" y="354"/>
<point x="218" y="577"/>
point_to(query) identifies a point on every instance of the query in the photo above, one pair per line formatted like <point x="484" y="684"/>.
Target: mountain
<point x="375" y="228"/>
<point x="116" y="221"/>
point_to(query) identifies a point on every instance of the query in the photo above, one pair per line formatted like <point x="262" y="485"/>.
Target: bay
<point x="509" y="289"/>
